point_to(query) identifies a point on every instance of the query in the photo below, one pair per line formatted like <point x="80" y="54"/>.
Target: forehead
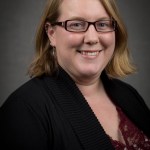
<point x="87" y="9"/>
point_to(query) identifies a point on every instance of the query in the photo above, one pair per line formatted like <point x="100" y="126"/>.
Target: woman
<point x="74" y="100"/>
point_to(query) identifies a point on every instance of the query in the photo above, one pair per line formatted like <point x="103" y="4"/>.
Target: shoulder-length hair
<point x="45" y="61"/>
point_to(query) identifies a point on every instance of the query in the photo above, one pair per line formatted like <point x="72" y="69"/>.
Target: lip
<point x="89" y="53"/>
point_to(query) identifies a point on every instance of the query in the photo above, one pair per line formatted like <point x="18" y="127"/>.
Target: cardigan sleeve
<point x="22" y="123"/>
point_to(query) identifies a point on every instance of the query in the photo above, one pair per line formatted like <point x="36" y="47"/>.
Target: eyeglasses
<point x="82" y="26"/>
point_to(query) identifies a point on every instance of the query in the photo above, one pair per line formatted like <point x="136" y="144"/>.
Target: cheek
<point x="68" y="39"/>
<point x="108" y="40"/>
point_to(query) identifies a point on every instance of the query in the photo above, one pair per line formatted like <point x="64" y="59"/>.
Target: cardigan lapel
<point x="130" y="102"/>
<point x="83" y="121"/>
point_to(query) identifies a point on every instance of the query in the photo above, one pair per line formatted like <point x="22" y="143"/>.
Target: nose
<point x="91" y="36"/>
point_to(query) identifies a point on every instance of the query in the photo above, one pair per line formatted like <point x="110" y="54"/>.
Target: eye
<point x="103" y="24"/>
<point x="76" y="24"/>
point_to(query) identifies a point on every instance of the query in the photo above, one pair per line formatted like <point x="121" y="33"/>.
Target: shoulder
<point x="123" y="93"/>
<point x="29" y="103"/>
<point x="24" y="117"/>
<point x="29" y="88"/>
<point x="30" y="93"/>
<point x="125" y="88"/>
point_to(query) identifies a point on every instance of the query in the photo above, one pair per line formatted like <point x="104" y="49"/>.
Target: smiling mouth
<point x="89" y="53"/>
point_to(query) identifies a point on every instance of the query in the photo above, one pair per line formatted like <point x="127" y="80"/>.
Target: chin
<point x="90" y="72"/>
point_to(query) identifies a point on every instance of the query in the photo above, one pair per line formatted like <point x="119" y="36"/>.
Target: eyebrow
<point x="76" y="18"/>
<point x="81" y="18"/>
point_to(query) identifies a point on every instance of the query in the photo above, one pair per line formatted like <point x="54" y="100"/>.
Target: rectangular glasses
<point x="82" y="26"/>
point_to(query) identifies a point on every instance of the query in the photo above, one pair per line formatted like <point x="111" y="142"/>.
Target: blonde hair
<point x="45" y="61"/>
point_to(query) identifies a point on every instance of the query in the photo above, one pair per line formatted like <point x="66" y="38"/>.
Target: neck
<point x="90" y="91"/>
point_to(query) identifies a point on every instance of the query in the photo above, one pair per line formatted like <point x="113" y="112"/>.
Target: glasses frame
<point x="64" y="25"/>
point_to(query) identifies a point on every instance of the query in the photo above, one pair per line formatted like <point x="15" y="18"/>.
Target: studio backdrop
<point x="18" y="23"/>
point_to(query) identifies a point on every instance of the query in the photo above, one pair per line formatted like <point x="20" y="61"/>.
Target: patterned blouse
<point x="134" y="138"/>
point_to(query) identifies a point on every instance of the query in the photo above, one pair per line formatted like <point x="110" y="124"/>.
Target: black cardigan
<point x="50" y="113"/>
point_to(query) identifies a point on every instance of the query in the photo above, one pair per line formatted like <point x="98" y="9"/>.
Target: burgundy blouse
<point x="133" y="137"/>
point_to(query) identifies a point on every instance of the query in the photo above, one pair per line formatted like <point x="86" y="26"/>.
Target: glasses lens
<point x="76" y="25"/>
<point x="105" y="25"/>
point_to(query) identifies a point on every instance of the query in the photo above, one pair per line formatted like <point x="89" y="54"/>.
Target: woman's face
<point x="82" y="55"/>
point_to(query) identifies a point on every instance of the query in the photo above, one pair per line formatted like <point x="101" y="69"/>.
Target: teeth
<point x="89" y="53"/>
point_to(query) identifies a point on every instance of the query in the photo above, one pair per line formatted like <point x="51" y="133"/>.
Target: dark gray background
<point x="18" y="22"/>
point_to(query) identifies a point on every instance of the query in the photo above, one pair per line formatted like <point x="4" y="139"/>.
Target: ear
<point x="50" y="33"/>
